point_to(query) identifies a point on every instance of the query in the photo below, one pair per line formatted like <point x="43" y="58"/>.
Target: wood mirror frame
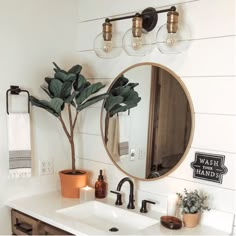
<point x="189" y="126"/>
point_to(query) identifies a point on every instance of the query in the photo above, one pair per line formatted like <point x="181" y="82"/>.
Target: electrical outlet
<point x="132" y="154"/>
<point x="46" y="167"/>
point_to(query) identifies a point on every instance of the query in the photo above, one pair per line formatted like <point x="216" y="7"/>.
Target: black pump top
<point x="100" y="177"/>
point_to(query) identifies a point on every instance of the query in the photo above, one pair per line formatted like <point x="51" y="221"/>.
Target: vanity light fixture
<point x="106" y="44"/>
<point x="137" y="41"/>
<point x="172" y="37"/>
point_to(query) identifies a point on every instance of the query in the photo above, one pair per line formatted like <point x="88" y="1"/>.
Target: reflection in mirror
<point x="148" y="134"/>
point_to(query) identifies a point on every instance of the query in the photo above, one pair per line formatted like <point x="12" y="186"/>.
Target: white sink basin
<point x="104" y="217"/>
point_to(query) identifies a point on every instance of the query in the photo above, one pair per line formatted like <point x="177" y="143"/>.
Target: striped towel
<point x="19" y="144"/>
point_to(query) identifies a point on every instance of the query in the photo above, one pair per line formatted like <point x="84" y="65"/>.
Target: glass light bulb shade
<point x="137" y="46"/>
<point x="107" y="49"/>
<point x="173" y="42"/>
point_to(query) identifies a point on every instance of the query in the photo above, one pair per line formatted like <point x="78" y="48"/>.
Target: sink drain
<point x="113" y="229"/>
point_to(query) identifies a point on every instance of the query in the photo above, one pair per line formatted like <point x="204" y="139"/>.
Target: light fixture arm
<point x="149" y="16"/>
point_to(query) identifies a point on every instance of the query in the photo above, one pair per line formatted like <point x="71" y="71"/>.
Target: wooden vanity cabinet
<point x="23" y="224"/>
<point x="46" y="229"/>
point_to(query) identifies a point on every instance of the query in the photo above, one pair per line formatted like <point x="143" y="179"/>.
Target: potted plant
<point x="69" y="90"/>
<point x="191" y="204"/>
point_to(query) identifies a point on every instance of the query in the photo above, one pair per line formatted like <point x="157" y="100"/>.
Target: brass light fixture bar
<point x="136" y="41"/>
<point x="149" y="17"/>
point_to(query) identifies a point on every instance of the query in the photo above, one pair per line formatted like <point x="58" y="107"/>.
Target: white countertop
<point x="45" y="206"/>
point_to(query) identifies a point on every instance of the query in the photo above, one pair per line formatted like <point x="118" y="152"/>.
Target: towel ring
<point x="15" y="90"/>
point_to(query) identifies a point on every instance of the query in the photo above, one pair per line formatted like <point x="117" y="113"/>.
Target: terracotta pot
<point x="71" y="184"/>
<point x="191" y="220"/>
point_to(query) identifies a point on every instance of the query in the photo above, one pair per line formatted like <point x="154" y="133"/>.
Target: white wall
<point x="207" y="69"/>
<point x="33" y="35"/>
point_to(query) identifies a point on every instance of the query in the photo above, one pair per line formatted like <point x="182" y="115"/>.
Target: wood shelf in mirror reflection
<point x="158" y="129"/>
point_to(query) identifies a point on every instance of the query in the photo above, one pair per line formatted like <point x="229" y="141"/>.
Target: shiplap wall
<point x="209" y="73"/>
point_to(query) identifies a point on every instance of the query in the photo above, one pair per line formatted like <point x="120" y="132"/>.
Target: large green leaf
<point x="91" y="89"/>
<point x="66" y="90"/>
<point x="71" y="98"/>
<point x="44" y="105"/>
<point x="57" y="68"/>
<point x="91" y="101"/>
<point x="81" y="83"/>
<point x="55" y="87"/>
<point x="116" y="109"/>
<point x="75" y="69"/>
<point x="133" y="98"/>
<point x="121" y="81"/>
<point x="57" y="105"/>
<point x="121" y="91"/>
<point x="64" y="76"/>
<point x="132" y="85"/>
<point x="112" y="101"/>
<point x="127" y="104"/>
<point x="45" y="89"/>
<point x="47" y="79"/>
<point x="60" y="75"/>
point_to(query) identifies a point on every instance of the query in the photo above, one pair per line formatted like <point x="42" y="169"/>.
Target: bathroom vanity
<point x="50" y="213"/>
<point x="27" y="225"/>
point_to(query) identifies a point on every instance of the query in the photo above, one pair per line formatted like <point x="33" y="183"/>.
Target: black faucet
<point x="131" y="192"/>
<point x="143" y="208"/>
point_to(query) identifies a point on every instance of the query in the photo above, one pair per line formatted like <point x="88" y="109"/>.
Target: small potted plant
<point x="69" y="90"/>
<point x="192" y="204"/>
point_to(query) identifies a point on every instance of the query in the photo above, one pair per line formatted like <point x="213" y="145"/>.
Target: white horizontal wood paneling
<point x="111" y="173"/>
<point x="208" y="94"/>
<point x="210" y="18"/>
<point x="185" y="172"/>
<point x="169" y="185"/>
<point x="91" y="147"/>
<point x="215" y="132"/>
<point x="89" y="121"/>
<point x="220" y="24"/>
<point x="106" y="8"/>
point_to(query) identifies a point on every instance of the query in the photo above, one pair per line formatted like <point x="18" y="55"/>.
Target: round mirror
<point x="147" y="121"/>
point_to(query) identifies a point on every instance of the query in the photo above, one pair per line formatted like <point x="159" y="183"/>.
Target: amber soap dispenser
<point x="100" y="187"/>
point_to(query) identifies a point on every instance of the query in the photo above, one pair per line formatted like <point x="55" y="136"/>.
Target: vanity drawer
<point x="23" y="224"/>
<point x="46" y="229"/>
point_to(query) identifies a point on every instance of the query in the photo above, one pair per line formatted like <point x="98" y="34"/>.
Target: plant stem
<point x="76" y="116"/>
<point x="106" y="127"/>
<point x="71" y="139"/>
<point x="64" y="127"/>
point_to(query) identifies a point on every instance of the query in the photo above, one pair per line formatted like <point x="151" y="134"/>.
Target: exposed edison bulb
<point x="107" y="47"/>
<point x="171" y="39"/>
<point x="173" y="42"/>
<point x="137" y="43"/>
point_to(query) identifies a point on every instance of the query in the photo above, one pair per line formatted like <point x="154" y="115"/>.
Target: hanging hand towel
<point x="19" y="145"/>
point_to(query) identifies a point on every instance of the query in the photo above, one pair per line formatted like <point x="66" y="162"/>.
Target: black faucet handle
<point x="118" y="198"/>
<point x="143" y="208"/>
